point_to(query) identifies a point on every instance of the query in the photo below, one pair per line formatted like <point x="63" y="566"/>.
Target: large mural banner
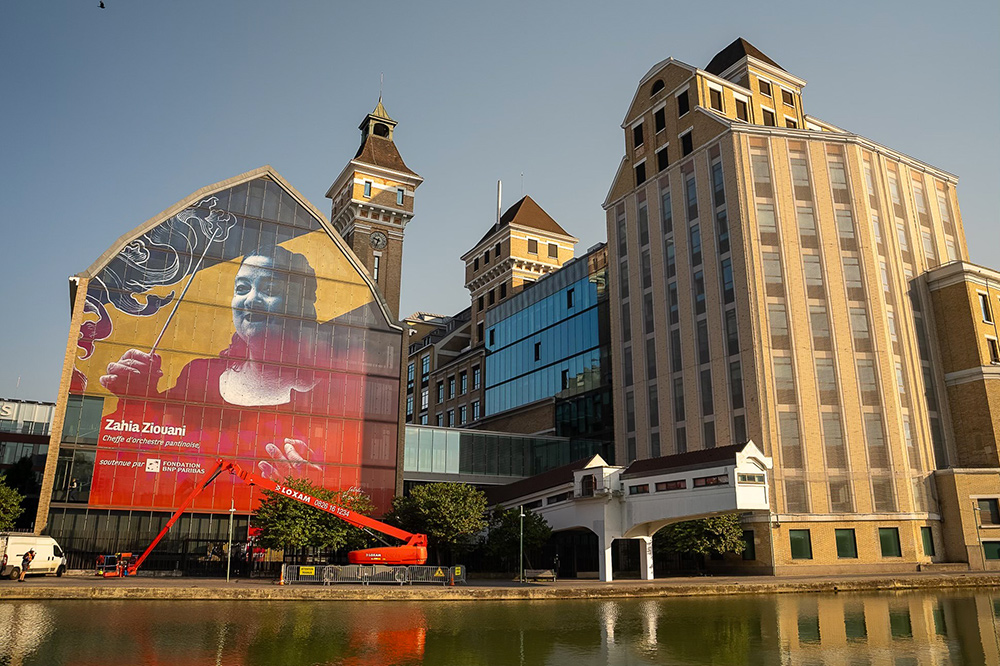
<point x="236" y="328"/>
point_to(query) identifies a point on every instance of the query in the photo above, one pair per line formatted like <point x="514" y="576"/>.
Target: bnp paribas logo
<point x="152" y="464"/>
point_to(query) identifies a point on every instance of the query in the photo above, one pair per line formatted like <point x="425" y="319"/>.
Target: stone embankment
<point x="85" y="587"/>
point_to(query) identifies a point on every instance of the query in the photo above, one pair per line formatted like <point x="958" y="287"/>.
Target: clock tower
<point x="373" y="201"/>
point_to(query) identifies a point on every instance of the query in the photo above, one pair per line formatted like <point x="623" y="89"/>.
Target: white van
<point x="49" y="558"/>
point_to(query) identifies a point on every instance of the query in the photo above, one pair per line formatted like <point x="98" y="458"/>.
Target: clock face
<point x="378" y="240"/>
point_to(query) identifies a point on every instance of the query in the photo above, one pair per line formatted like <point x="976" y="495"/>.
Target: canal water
<point x="898" y="628"/>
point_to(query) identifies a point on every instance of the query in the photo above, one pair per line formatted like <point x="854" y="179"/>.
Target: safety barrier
<point x="379" y="574"/>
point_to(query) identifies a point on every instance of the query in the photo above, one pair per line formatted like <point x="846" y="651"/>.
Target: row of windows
<point x="400" y="192"/>
<point x="448" y="419"/>
<point x="681" y="484"/>
<point x="555" y="308"/>
<point x="565" y="377"/>
<point x="486" y="257"/>
<point x="800" y="543"/>
<point x="459" y="387"/>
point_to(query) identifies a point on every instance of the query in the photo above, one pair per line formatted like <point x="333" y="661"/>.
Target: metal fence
<point x="362" y="574"/>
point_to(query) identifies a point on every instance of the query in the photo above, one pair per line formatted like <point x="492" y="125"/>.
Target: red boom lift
<point x="413" y="550"/>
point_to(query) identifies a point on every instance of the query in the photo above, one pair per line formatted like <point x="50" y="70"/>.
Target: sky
<point x="111" y="116"/>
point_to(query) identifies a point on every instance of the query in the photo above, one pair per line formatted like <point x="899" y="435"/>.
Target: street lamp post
<point x="229" y="549"/>
<point x="521" y="544"/>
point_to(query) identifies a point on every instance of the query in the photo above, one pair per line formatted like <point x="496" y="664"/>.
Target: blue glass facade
<point x="551" y="339"/>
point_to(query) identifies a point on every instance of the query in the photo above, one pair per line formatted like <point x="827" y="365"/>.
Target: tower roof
<point x="735" y="52"/>
<point x="380" y="111"/>
<point x="527" y="213"/>
<point x="381" y="152"/>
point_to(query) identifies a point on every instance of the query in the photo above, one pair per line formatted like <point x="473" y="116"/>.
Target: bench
<point x="540" y="574"/>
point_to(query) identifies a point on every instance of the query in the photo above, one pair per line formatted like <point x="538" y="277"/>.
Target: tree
<point x="286" y="523"/>
<point x="10" y="505"/>
<point x="450" y="514"/>
<point x="718" y="534"/>
<point x="504" y="536"/>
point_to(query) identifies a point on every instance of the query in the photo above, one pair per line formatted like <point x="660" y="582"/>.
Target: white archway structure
<point x="634" y="502"/>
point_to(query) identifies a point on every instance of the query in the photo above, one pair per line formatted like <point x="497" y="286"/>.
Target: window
<point x="707" y="408"/>
<point x="749" y="548"/>
<point x="718" y="185"/>
<point x="728" y="291"/>
<point x="463" y="382"/>
<point x="451" y="418"/>
<point x="641" y="489"/>
<point x="673" y="303"/>
<point x="736" y="384"/>
<point x="451" y="387"/>
<point x="462" y="414"/>
<point x="666" y="214"/>
<point x="691" y="195"/>
<point x="791" y="444"/>
<point x="475" y="410"/>
<point x="984" y="306"/>
<point x="425" y="367"/>
<point x="637" y="135"/>
<point x="675" y="350"/>
<point x="722" y="231"/>
<point x="695" y="242"/>
<point x="989" y="511"/>
<point x="784" y="380"/>
<point x="376" y="261"/>
<point x="424" y="400"/>
<point x="538" y="351"/>
<point x="683" y="103"/>
<point x="410" y="371"/>
<point x="481" y="303"/>
<point x="409" y="406"/>
<point x="496" y="250"/>
<point x="820" y="327"/>
<point x="769" y="119"/>
<point x="772" y="274"/>
<point x="927" y="537"/>
<point x="660" y="119"/>
<point x="751" y="478"/>
<point x="400" y="192"/>
<point x="368" y="189"/>
<point x="678" y="398"/>
<point x="475" y="267"/>
<point x="699" y="292"/>
<point x="553" y="251"/>
<point x="662" y="162"/>
<point x="800" y="544"/>
<point x="991" y="550"/>
<point x="715" y="98"/>
<point x="569" y="298"/>
<point x="791" y="123"/>
<point x="503" y="290"/>
<point x="826" y="382"/>
<point x="664" y="486"/>
<point x="867" y="382"/>
<point x="640" y="173"/>
<point x="708" y="434"/>
<point x="847" y="545"/>
<point x="476" y="376"/>
<point x="657" y="87"/>
<point x="742" y="110"/>
<point x="732" y="333"/>
<point x="764" y="87"/>
<point x="491" y="297"/>
<point x="766" y="222"/>
<point x="706" y="481"/>
<point x="486" y="257"/>
<point x="840" y="496"/>
<point x="687" y="144"/>
<point x="532" y="246"/>
<point x="889" y="539"/>
<point x="440" y="392"/>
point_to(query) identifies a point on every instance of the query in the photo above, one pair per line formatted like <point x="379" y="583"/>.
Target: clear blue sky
<point x="110" y="116"/>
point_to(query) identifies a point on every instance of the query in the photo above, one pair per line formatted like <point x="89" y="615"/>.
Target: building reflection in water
<point x="846" y="629"/>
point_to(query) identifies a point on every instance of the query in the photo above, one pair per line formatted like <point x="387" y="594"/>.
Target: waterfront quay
<point x="83" y="586"/>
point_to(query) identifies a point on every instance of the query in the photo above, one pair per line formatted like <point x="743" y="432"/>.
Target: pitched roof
<point x="735" y="52"/>
<point x="533" y="484"/>
<point x="527" y="213"/>
<point x="381" y="152"/>
<point x="380" y="111"/>
<point x="683" y="460"/>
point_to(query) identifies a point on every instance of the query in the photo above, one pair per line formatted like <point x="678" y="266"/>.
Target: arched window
<point x="381" y="129"/>
<point x="657" y="87"/>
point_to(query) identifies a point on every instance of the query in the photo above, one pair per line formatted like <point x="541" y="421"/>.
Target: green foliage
<point x="503" y="539"/>
<point x="286" y="523"/>
<point x="718" y="534"/>
<point x="450" y="514"/>
<point x="10" y="505"/>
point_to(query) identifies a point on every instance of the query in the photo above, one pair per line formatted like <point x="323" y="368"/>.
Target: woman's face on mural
<point x="259" y="300"/>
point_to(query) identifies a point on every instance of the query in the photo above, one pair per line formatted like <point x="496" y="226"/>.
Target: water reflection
<point x="834" y="630"/>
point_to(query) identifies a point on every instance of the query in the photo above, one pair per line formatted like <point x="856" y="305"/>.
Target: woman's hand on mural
<point x="287" y="461"/>
<point x="135" y="373"/>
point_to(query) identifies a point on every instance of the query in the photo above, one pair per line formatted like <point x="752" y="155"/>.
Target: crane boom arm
<point x="348" y="516"/>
